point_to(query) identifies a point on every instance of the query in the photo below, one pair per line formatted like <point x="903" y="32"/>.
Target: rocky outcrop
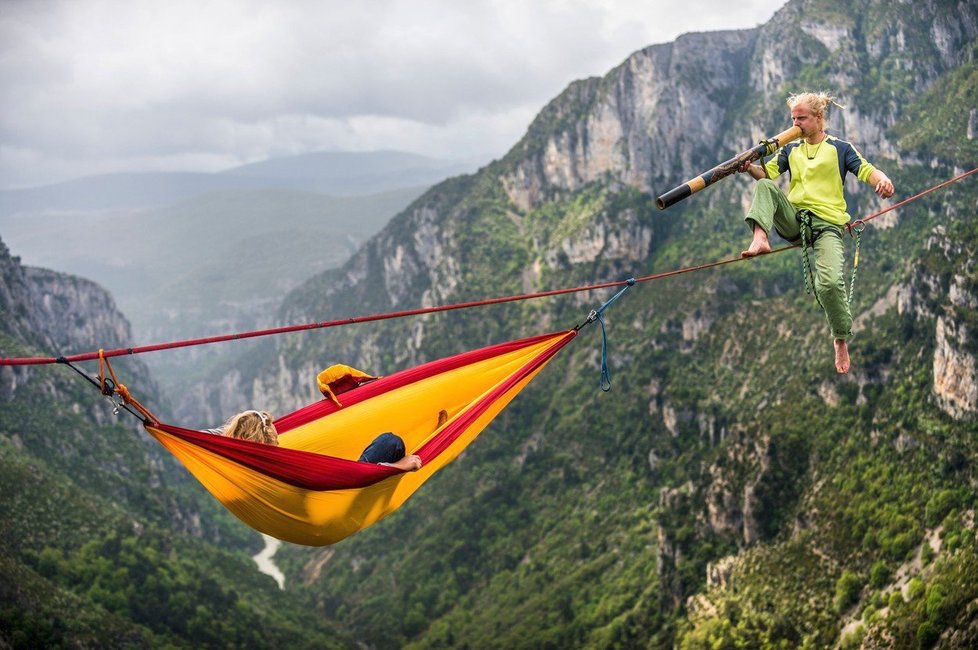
<point x="652" y="116"/>
<point x="16" y="302"/>
<point x="657" y="119"/>
<point x="731" y="503"/>
<point x="75" y="314"/>
<point x="955" y="366"/>
<point x="625" y="239"/>
<point x="950" y="301"/>
<point x="55" y="314"/>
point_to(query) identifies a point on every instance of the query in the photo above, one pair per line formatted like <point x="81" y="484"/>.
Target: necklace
<point x="811" y="154"/>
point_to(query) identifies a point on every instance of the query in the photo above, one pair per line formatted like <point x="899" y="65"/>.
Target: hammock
<point x="310" y="490"/>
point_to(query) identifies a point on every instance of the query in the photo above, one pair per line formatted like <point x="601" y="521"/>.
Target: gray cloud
<point x="113" y="85"/>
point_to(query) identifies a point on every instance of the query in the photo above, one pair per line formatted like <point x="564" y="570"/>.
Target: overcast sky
<point x="97" y="86"/>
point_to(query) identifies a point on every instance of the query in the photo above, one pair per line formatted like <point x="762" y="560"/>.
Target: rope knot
<point x="123" y="392"/>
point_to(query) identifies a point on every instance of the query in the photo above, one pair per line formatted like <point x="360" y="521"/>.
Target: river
<point x="265" y="563"/>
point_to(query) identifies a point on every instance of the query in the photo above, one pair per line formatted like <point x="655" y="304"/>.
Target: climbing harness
<point x="807" y="241"/>
<point x="808" y="237"/>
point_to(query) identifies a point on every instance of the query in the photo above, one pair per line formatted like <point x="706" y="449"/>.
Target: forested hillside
<point x="730" y="488"/>
<point x="729" y="491"/>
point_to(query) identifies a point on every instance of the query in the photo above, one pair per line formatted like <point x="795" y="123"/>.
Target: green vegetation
<point x="169" y="590"/>
<point x="936" y="124"/>
<point x="106" y="543"/>
<point x="730" y="491"/>
<point x="847" y="589"/>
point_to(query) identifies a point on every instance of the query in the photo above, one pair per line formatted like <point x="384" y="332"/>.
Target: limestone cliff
<point x="953" y="303"/>
<point x="60" y="314"/>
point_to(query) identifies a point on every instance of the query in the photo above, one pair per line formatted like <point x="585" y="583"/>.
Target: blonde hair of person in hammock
<point x="256" y="426"/>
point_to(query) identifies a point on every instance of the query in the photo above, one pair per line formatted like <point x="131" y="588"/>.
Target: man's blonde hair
<point x="256" y="426"/>
<point x="817" y="103"/>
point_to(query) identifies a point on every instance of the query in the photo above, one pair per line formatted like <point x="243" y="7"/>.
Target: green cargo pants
<point x="772" y="209"/>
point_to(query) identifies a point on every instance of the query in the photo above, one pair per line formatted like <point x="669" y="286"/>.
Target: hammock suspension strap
<point x="111" y="386"/>
<point x="116" y="406"/>
<point x="598" y="315"/>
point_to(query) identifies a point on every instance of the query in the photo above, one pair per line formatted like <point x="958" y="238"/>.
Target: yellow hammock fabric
<point x="311" y="490"/>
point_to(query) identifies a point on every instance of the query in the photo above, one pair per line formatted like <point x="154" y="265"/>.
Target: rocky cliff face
<point x="955" y="370"/>
<point x="952" y="302"/>
<point x="655" y="115"/>
<point x="73" y="313"/>
<point x="57" y="314"/>
<point x="662" y="116"/>
<point x="19" y="318"/>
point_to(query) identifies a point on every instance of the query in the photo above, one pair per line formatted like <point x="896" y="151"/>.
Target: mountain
<point x="192" y="254"/>
<point x="730" y="490"/>
<point x="346" y="174"/>
<point x="338" y="173"/>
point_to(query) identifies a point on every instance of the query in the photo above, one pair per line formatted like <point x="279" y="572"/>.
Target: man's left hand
<point x="884" y="187"/>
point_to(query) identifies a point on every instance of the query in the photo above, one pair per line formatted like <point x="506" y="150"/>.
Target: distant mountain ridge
<point x="336" y="173"/>
<point x="191" y="254"/>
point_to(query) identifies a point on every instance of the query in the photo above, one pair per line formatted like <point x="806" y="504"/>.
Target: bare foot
<point x="759" y="245"/>
<point x="841" y="356"/>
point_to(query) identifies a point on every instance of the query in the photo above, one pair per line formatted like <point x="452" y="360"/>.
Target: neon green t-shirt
<point x="818" y="173"/>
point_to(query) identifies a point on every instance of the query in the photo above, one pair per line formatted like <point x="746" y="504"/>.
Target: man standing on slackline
<point x="815" y="207"/>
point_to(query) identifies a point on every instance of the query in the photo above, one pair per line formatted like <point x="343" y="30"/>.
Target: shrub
<point x="847" y="589"/>
<point x="934" y="604"/>
<point x="879" y="574"/>
<point x="895" y="600"/>
<point x="915" y="589"/>
<point x="939" y="505"/>
<point x="927" y="634"/>
<point x="899" y="546"/>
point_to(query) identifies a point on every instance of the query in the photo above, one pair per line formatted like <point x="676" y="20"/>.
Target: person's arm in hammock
<point x="410" y="463"/>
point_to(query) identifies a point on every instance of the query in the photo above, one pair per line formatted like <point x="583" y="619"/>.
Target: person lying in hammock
<point x="385" y="449"/>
